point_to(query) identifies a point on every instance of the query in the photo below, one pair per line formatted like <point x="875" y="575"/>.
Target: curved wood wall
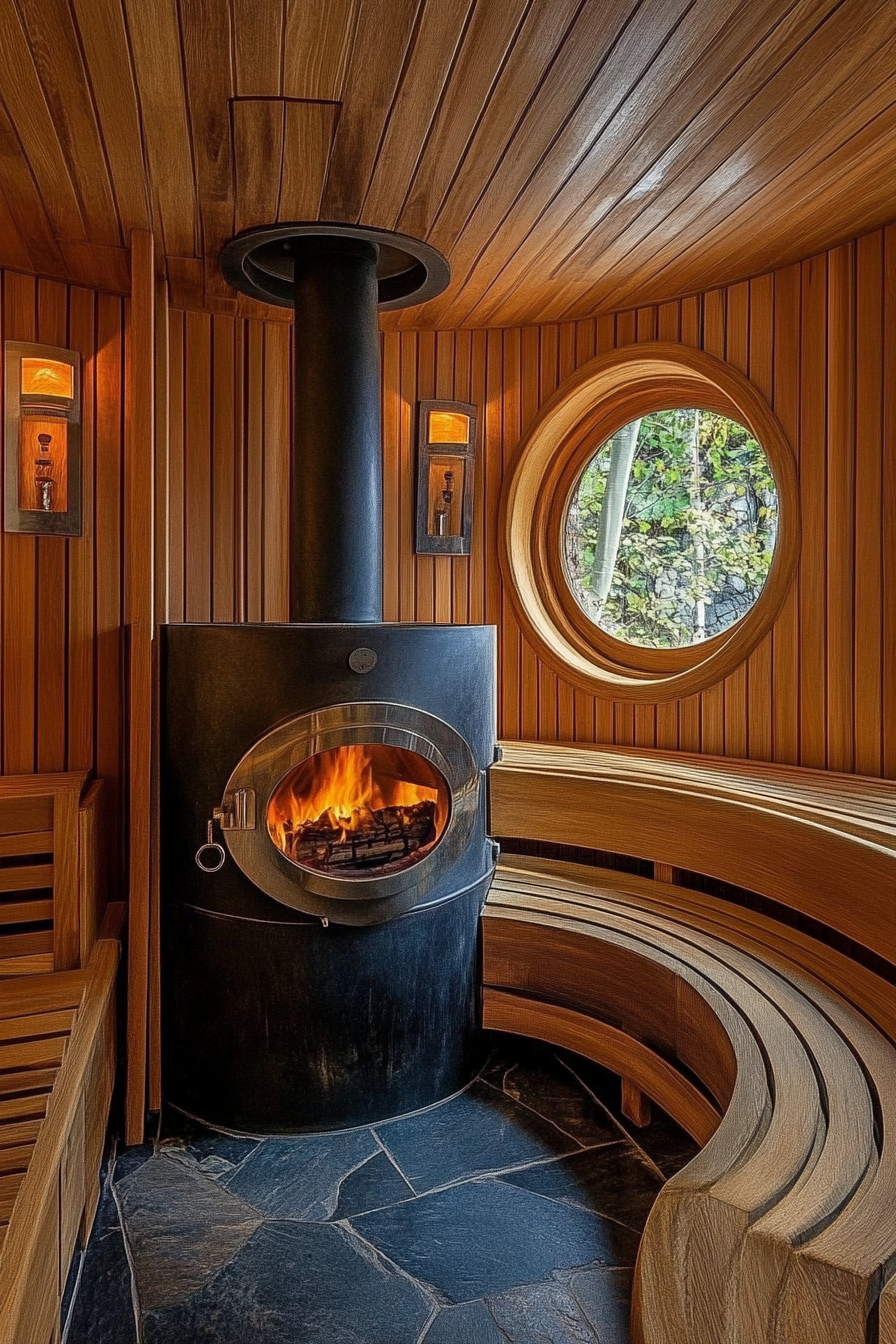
<point x="817" y="691"/>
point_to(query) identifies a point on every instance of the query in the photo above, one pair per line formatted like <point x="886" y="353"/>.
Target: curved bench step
<point x="745" y="1241"/>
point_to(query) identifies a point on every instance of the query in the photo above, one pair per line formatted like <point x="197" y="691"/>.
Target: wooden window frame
<point x="601" y="397"/>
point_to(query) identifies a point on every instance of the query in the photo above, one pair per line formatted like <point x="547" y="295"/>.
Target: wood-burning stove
<point x="324" y="855"/>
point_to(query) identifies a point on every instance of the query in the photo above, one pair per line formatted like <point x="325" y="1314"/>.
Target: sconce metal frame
<point x="428" y="542"/>
<point x="41" y="522"/>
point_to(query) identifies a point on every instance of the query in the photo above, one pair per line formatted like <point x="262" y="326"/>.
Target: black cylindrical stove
<point x="299" y="996"/>
<point x="324" y="856"/>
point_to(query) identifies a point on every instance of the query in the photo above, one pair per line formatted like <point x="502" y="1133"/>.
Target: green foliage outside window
<point x="671" y="530"/>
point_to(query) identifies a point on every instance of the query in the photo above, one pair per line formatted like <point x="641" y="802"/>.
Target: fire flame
<point x="343" y="787"/>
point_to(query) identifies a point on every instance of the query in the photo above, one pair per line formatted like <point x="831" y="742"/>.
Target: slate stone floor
<point x="509" y="1214"/>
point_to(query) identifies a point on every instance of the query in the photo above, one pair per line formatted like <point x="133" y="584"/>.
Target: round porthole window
<point x="670" y="529"/>
<point x="649" y="529"/>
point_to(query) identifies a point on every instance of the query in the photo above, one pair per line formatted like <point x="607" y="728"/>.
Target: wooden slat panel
<point x="28" y="877"/>
<point x="19" y="578"/>
<point x="26" y="944"/>
<point x="36" y="1024"/>
<point x="31" y="1080"/>
<point x="867" y="489"/>
<point x="889" y="500"/>
<point x="611" y="1048"/>
<point x="26" y="844"/>
<point x="571" y="157"/>
<point x="23" y="1108"/>
<point x="369" y="91"/>
<point x="55" y="44"/>
<point x="25" y="912"/>
<point x="626" y="803"/>
<point x="276" y="473"/>
<point x="22" y="817"/>
<point x="308" y="131"/>
<point x="155" y="41"/>
<point x="317" y="40"/>
<point x="23" y="1132"/>
<point x="40" y="1053"/>
<point x="52" y="1196"/>
<point x="15" y="1159"/>
<point x="31" y="965"/>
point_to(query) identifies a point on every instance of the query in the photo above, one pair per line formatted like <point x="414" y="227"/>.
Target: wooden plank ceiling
<point x="571" y="157"/>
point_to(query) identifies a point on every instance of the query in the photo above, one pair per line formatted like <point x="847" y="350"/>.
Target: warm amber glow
<point x="43" y="464"/>
<point x="47" y="378"/>
<point x="448" y="427"/>
<point x="359" y="806"/>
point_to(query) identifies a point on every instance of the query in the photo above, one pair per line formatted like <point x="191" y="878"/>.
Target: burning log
<point x="368" y="839"/>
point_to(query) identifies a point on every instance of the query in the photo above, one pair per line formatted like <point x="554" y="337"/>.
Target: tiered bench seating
<point x="57" y="1040"/>
<point x="772" y="1048"/>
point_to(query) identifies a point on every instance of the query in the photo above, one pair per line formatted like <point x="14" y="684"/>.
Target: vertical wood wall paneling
<point x="198" y="481"/>
<point x="460" y="564"/>
<point x="52" y="595"/>
<point x="646" y="328"/>
<point x="442" y="564"/>
<point x="138" y="610"/>
<point x="604" y="718"/>
<point x="712" y="700"/>
<point x="737" y="345"/>
<point x="80" y="726"/>
<point x="254" y="521"/>
<point x="509" y="649"/>
<point x="276" y="472"/>
<point x="407" y="466"/>
<point x="623" y="731"/>
<point x="869" y="496"/>
<point x="813" y="489"/>
<point x="223" y="446"/>
<point x="19" y="579"/>
<point x="426" y="391"/>
<point x="548" y="378"/>
<point x="841" y="494"/>
<point x="811" y="345"/>
<point x="760" y="338"/>
<point x="566" y="700"/>
<point x="888" y="717"/>
<point x="161" y="530"/>
<point x="787" y="380"/>
<point x="60" y="597"/>
<point x="391" y="429"/>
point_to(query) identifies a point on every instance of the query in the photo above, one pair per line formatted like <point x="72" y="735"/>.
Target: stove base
<point x="291" y="1027"/>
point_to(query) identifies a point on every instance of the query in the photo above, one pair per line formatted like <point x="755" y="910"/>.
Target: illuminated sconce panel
<point x="446" y="451"/>
<point x="42" y="440"/>
<point x="48" y="378"/>
<point x="448" y="427"/>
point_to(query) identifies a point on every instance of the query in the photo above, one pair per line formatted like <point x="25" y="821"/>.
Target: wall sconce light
<point x="446" y="454"/>
<point x="42" y="439"/>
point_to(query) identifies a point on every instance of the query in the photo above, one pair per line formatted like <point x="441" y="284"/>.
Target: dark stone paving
<point x="507" y="1215"/>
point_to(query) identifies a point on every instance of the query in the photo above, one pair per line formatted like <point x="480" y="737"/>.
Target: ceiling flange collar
<point x="257" y="262"/>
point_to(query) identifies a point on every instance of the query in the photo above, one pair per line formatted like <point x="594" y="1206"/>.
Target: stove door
<point x="358" y="802"/>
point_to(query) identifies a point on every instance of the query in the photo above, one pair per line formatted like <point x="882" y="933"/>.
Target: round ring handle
<point x="210" y="867"/>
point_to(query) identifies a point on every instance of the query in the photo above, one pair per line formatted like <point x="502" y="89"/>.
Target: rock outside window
<point x="649" y="526"/>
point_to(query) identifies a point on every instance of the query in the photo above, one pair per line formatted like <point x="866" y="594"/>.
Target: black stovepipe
<point x="336" y="549"/>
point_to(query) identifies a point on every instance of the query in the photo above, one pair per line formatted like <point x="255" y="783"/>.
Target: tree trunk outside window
<point x="612" y="512"/>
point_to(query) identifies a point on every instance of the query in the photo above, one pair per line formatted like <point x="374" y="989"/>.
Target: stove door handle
<point x="210" y="856"/>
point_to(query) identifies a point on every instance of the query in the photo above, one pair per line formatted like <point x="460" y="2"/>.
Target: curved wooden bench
<point x="57" y="1068"/>
<point x="781" y="1230"/>
<point x="821" y="843"/>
